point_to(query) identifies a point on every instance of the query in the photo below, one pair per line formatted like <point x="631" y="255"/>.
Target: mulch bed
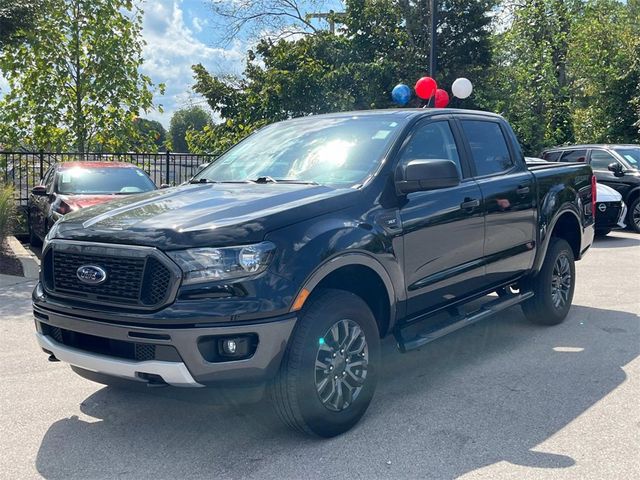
<point x="9" y="264"/>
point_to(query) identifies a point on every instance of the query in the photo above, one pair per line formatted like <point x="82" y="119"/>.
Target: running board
<point x="459" y="321"/>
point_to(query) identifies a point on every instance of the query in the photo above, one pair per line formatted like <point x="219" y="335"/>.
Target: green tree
<point x="604" y="59"/>
<point x="528" y="81"/>
<point x="193" y="118"/>
<point x="376" y="48"/>
<point x="74" y="81"/>
<point x="16" y="17"/>
<point x="567" y="71"/>
<point x="150" y="135"/>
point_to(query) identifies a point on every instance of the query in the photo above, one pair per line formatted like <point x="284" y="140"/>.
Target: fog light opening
<point x="235" y="348"/>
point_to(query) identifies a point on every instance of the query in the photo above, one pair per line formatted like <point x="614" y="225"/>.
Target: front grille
<point x="610" y="215"/>
<point x="157" y="279"/>
<point x="139" y="352"/>
<point x="134" y="277"/>
<point x="124" y="276"/>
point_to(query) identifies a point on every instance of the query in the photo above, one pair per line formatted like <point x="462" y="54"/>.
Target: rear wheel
<point x="553" y="287"/>
<point x="634" y="215"/>
<point x="329" y="373"/>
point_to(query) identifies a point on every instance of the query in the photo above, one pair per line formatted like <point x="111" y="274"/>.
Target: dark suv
<point x="617" y="166"/>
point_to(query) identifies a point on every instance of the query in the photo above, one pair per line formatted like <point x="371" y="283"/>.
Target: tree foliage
<point x="16" y="18"/>
<point x="151" y="135"/>
<point x="379" y="44"/>
<point x="74" y="80"/>
<point x="566" y="71"/>
<point x="194" y="119"/>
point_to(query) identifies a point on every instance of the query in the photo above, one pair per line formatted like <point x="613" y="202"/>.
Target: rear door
<point x="443" y="229"/>
<point x="508" y="191"/>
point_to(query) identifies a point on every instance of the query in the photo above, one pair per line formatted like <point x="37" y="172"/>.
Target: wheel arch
<point x="566" y="225"/>
<point x="632" y="195"/>
<point x="362" y="275"/>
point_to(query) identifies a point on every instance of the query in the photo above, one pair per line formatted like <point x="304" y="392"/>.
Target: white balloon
<point x="462" y="88"/>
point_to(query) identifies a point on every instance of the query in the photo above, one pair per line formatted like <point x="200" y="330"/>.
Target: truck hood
<point x="202" y="215"/>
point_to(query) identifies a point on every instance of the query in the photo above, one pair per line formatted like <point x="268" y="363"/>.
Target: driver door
<point x="444" y="228"/>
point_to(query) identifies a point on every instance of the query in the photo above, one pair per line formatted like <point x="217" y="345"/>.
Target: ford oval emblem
<point x="91" y="274"/>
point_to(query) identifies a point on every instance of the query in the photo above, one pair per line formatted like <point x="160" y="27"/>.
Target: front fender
<point x="318" y="247"/>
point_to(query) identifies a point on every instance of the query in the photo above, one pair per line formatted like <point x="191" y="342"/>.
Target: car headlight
<point x="210" y="264"/>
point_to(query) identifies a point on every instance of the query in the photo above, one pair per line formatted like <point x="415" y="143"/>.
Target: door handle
<point x="522" y="190"/>
<point x="470" y="204"/>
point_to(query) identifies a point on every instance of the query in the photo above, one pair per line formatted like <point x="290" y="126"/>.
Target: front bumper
<point x="610" y="215"/>
<point x="103" y="344"/>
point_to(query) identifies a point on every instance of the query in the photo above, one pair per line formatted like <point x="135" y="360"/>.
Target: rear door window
<point x="489" y="149"/>
<point x="574" y="156"/>
<point x="552" y="156"/>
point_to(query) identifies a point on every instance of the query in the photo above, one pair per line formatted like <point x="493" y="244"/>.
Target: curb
<point x="30" y="263"/>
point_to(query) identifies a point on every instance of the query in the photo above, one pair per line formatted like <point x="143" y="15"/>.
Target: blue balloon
<point x="401" y="94"/>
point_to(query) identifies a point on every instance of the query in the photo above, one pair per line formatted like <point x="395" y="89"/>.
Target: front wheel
<point x="634" y="215"/>
<point x="329" y="373"/>
<point x="553" y="286"/>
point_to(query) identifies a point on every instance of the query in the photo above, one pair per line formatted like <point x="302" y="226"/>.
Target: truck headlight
<point x="210" y="264"/>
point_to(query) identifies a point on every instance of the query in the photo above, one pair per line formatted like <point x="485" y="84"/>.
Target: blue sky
<point x="179" y="34"/>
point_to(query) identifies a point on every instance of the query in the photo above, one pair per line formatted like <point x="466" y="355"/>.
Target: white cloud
<point x="199" y="24"/>
<point x="171" y="50"/>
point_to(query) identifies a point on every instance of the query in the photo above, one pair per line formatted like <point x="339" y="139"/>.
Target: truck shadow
<point x="491" y="392"/>
<point x="615" y="240"/>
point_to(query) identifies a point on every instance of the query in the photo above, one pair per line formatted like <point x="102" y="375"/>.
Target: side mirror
<point x="165" y="185"/>
<point x="39" y="191"/>
<point x="420" y="175"/>
<point x="616" y="168"/>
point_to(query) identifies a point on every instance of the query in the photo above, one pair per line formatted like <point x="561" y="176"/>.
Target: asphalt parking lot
<point x="500" y="399"/>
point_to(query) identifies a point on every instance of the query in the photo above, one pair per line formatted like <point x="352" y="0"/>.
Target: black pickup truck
<point x="283" y="264"/>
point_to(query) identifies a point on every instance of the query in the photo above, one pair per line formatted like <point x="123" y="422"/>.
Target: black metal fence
<point x="24" y="170"/>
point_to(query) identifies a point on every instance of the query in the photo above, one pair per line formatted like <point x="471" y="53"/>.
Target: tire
<point x="302" y="379"/>
<point x="34" y="240"/>
<point x="553" y="286"/>
<point x="603" y="232"/>
<point x="633" y="219"/>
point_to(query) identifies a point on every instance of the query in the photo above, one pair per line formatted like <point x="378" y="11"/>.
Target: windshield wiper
<point x="268" y="179"/>
<point x="194" y="181"/>
<point x="265" y="179"/>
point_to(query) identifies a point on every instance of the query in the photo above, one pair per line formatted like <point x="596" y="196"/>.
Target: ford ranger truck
<point x="283" y="264"/>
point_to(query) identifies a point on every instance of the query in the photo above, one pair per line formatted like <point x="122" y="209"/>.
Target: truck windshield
<point x="631" y="156"/>
<point x="323" y="150"/>
<point x="107" y="180"/>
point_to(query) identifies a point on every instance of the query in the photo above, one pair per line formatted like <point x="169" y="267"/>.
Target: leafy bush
<point x="7" y="211"/>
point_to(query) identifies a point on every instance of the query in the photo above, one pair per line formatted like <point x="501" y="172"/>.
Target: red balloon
<point x="442" y="98"/>
<point x="426" y="87"/>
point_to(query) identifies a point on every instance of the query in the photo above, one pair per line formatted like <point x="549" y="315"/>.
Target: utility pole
<point x="330" y="16"/>
<point x="434" y="39"/>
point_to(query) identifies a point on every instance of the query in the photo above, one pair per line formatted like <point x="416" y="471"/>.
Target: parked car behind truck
<point x="289" y="258"/>
<point x="68" y="186"/>
<point x="616" y="166"/>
